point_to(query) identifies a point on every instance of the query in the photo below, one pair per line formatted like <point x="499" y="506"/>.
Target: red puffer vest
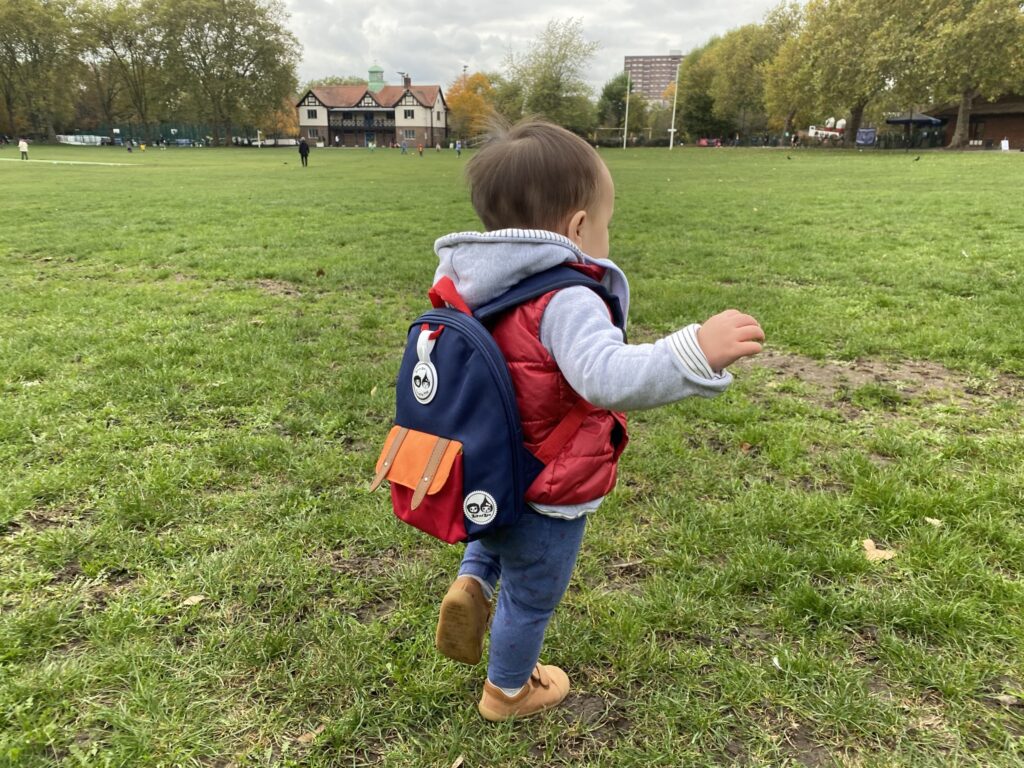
<point x="585" y="468"/>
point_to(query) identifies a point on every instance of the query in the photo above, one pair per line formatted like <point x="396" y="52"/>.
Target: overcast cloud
<point x="344" y="37"/>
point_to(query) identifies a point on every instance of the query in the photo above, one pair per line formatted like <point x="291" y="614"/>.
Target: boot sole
<point x="459" y="630"/>
<point x="494" y="716"/>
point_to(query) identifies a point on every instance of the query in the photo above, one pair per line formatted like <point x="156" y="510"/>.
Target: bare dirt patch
<point x="801" y="746"/>
<point x="359" y="565"/>
<point x="279" y="288"/>
<point x="910" y="378"/>
<point x="66" y="514"/>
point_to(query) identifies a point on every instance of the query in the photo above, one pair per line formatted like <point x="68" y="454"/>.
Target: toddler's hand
<point x="728" y="336"/>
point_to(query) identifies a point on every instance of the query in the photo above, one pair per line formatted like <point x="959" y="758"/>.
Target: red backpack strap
<point x="561" y="434"/>
<point x="445" y="292"/>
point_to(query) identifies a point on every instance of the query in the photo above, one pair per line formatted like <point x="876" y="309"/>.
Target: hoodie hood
<point x="484" y="265"/>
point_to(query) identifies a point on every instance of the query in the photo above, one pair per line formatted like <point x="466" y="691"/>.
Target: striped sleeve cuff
<point x="684" y="343"/>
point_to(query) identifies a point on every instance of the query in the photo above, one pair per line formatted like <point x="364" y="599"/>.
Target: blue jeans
<point x="534" y="560"/>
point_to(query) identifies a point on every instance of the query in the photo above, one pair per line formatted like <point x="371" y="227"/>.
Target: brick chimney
<point x="407" y="81"/>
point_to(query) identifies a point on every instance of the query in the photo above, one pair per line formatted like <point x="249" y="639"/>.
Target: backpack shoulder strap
<point x="553" y="279"/>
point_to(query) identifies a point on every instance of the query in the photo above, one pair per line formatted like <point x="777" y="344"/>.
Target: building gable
<point x="310" y="100"/>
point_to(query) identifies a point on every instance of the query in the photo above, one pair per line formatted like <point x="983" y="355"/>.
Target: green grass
<point x="197" y="352"/>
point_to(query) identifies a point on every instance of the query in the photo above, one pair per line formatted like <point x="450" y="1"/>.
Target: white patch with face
<point x="424" y="374"/>
<point x="480" y="507"/>
<point x="424" y="382"/>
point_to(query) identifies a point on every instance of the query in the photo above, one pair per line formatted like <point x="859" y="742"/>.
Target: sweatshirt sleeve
<point x="578" y="332"/>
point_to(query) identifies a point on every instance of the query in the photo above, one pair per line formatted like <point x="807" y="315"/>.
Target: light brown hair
<point x="532" y="175"/>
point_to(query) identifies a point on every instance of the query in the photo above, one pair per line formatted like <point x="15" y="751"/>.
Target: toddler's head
<point x="536" y="175"/>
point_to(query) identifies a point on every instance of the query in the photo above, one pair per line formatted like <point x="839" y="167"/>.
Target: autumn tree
<point x="857" y="51"/>
<point x="611" y="106"/>
<point x="128" y="34"/>
<point x="333" y="80"/>
<point x="789" y="85"/>
<point x="39" y="63"/>
<point x="101" y="93"/>
<point x="235" y="56"/>
<point x="283" y="121"/>
<point x="696" y="104"/>
<point x="551" y="75"/>
<point x="737" y="86"/>
<point x="973" y="48"/>
<point x="470" y="104"/>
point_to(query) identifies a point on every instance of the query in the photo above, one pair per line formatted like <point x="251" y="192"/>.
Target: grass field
<point x="197" y="352"/>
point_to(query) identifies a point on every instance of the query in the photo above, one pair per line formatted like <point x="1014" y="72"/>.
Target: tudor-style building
<point x="356" y="115"/>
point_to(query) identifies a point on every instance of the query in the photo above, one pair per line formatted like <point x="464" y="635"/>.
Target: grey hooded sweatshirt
<point x="576" y="329"/>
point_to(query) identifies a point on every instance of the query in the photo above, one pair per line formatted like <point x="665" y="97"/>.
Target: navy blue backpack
<point x="455" y="457"/>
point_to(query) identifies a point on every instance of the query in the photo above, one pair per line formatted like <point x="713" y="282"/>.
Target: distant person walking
<point x="304" y="152"/>
<point x="23" y="148"/>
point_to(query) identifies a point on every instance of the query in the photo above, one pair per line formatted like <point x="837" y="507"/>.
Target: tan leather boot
<point x="547" y="687"/>
<point x="462" y="623"/>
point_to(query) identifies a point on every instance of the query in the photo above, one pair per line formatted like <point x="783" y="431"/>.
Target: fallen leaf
<point x="1007" y="700"/>
<point x="458" y="762"/>
<point x="307" y="738"/>
<point x="777" y="664"/>
<point x="373" y="392"/>
<point x="194" y="600"/>
<point x="320" y="272"/>
<point x="929" y="723"/>
<point x="746" y="448"/>
<point x="933" y="521"/>
<point x="874" y="554"/>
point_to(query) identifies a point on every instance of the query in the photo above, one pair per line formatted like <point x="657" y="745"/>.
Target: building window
<point x="409" y="113"/>
<point x="409" y="133"/>
<point x="438" y="115"/>
<point x="314" y="133"/>
<point x="311" y="114"/>
<point x="311" y="99"/>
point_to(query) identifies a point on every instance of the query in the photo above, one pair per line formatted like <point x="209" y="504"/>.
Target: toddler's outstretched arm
<point x="592" y="355"/>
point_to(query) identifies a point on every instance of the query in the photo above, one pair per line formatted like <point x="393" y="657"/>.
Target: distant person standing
<point x="304" y="152"/>
<point x="458" y="148"/>
<point x="23" y="148"/>
<point x="419" y="148"/>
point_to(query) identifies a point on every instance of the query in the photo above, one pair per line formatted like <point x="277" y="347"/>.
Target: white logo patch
<point x="424" y="382"/>
<point x="480" y="507"/>
<point x="424" y="374"/>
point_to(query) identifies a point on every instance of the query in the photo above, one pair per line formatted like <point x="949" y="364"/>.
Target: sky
<point x="433" y="40"/>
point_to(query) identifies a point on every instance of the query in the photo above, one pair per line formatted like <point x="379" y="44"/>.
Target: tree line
<point x="78" y="64"/>
<point x="852" y="59"/>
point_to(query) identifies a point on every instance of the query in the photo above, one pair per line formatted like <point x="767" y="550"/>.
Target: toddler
<point x="546" y="198"/>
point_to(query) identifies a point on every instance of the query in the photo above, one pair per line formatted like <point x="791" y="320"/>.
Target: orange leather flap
<point x="413" y="454"/>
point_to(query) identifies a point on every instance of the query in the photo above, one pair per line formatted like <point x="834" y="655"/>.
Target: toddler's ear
<point x="574" y="227"/>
